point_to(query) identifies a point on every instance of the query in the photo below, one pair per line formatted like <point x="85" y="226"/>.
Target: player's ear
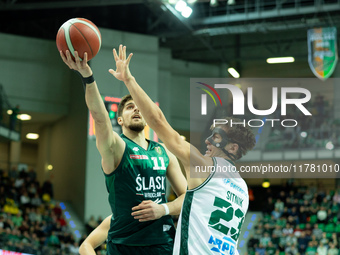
<point x="120" y="121"/>
<point x="233" y="148"/>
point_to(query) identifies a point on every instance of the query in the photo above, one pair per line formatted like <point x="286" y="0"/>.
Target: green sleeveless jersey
<point x="141" y="175"/>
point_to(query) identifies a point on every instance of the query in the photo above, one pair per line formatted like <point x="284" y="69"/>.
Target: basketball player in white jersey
<point x="214" y="207"/>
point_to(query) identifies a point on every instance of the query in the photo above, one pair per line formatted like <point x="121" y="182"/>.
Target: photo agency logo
<point x="204" y="97"/>
<point x="279" y="103"/>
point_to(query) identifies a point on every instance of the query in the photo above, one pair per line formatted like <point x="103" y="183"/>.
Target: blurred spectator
<point x="302" y="214"/>
<point x="252" y="242"/>
<point x="291" y="239"/>
<point x="32" y="175"/>
<point x="325" y="203"/>
<point x="308" y="195"/>
<point x="260" y="250"/>
<point x="276" y="213"/>
<point x="265" y="239"/>
<point x="57" y="210"/>
<point x="270" y="249"/>
<point x="332" y="250"/>
<point x="91" y="224"/>
<point x="324" y="240"/>
<point x="18" y="183"/>
<point x="268" y="206"/>
<point x="297" y="231"/>
<point x="36" y="201"/>
<point x="62" y="221"/>
<point x="287" y="230"/>
<point x="13" y="173"/>
<point x="335" y="238"/>
<point x="319" y="104"/>
<point x="321" y="250"/>
<point x="53" y="240"/>
<point x="303" y="241"/>
<point x="285" y="212"/>
<point x="47" y="188"/>
<point x="314" y="206"/>
<point x="74" y="248"/>
<point x="317" y="232"/>
<point x="291" y="249"/>
<point x="311" y="249"/>
<point x="336" y="197"/>
<point x="31" y="189"/>
<point x="279" y="205"/>
<point x="277" y="231"/>
<point x="25" y="199"/>
<point x="17" y="219"/>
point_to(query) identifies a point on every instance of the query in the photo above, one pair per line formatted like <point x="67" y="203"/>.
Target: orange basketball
<point x="79" y="35"/>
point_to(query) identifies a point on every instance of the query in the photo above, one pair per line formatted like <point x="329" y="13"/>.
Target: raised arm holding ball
<point x="135" y="170"/>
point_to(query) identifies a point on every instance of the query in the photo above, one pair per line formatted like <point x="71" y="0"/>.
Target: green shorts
<point x="121" y="249"/>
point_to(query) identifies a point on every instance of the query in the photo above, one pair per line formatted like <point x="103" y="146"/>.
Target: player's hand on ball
<point x="122" y="72"/>
<point x="148" y="210"/>
<point x="81" y="66"/>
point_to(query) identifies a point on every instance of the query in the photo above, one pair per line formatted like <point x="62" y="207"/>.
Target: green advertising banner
<point x="322" y="51"/>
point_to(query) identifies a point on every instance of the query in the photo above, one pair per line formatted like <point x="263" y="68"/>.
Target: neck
<point x="228" y="157"/>
<point x="137" y="137"/>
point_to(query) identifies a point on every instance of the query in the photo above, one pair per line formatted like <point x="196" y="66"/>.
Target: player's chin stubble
<point x="137" y="127"/>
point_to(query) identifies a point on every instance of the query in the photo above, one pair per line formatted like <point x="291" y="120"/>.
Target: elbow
<point x="83" y="248"/>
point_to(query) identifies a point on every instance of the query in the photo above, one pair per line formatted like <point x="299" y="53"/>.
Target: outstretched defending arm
<point x="152" y="114"/>
<point x="109" y="144"/>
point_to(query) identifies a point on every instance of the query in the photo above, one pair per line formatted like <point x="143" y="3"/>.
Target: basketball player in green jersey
<point x="135" y="170"/>
<point x="215" y="205"/>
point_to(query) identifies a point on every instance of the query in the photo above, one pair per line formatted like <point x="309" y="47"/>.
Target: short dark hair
<point x="122" y="103"/>
<point x="242" y="135"/>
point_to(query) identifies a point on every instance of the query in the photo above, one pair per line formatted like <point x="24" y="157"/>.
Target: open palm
<point x="122" y="71"/>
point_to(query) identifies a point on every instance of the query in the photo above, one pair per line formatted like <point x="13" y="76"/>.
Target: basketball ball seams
<point x="90" y="25"/>
<point x="66" y="27"/>
<point x="84" y="38"/>
<point x="79" y="34"/>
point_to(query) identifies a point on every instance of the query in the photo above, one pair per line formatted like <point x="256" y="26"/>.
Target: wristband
<point x="88" y="80"/>
<point x="166" y="209"/>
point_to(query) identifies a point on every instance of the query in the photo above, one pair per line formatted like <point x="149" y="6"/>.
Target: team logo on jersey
<point x="135" y="149"/>
<point x="224" y="246"/>
<point x="133" y="156"/>
<point x="151" y="187"/>
<point x="158" y="150"/>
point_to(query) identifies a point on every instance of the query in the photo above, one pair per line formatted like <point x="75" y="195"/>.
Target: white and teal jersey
<point x="212" y="214"/>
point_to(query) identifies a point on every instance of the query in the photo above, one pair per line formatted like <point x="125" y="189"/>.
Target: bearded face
<point x="132" y="118"/>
